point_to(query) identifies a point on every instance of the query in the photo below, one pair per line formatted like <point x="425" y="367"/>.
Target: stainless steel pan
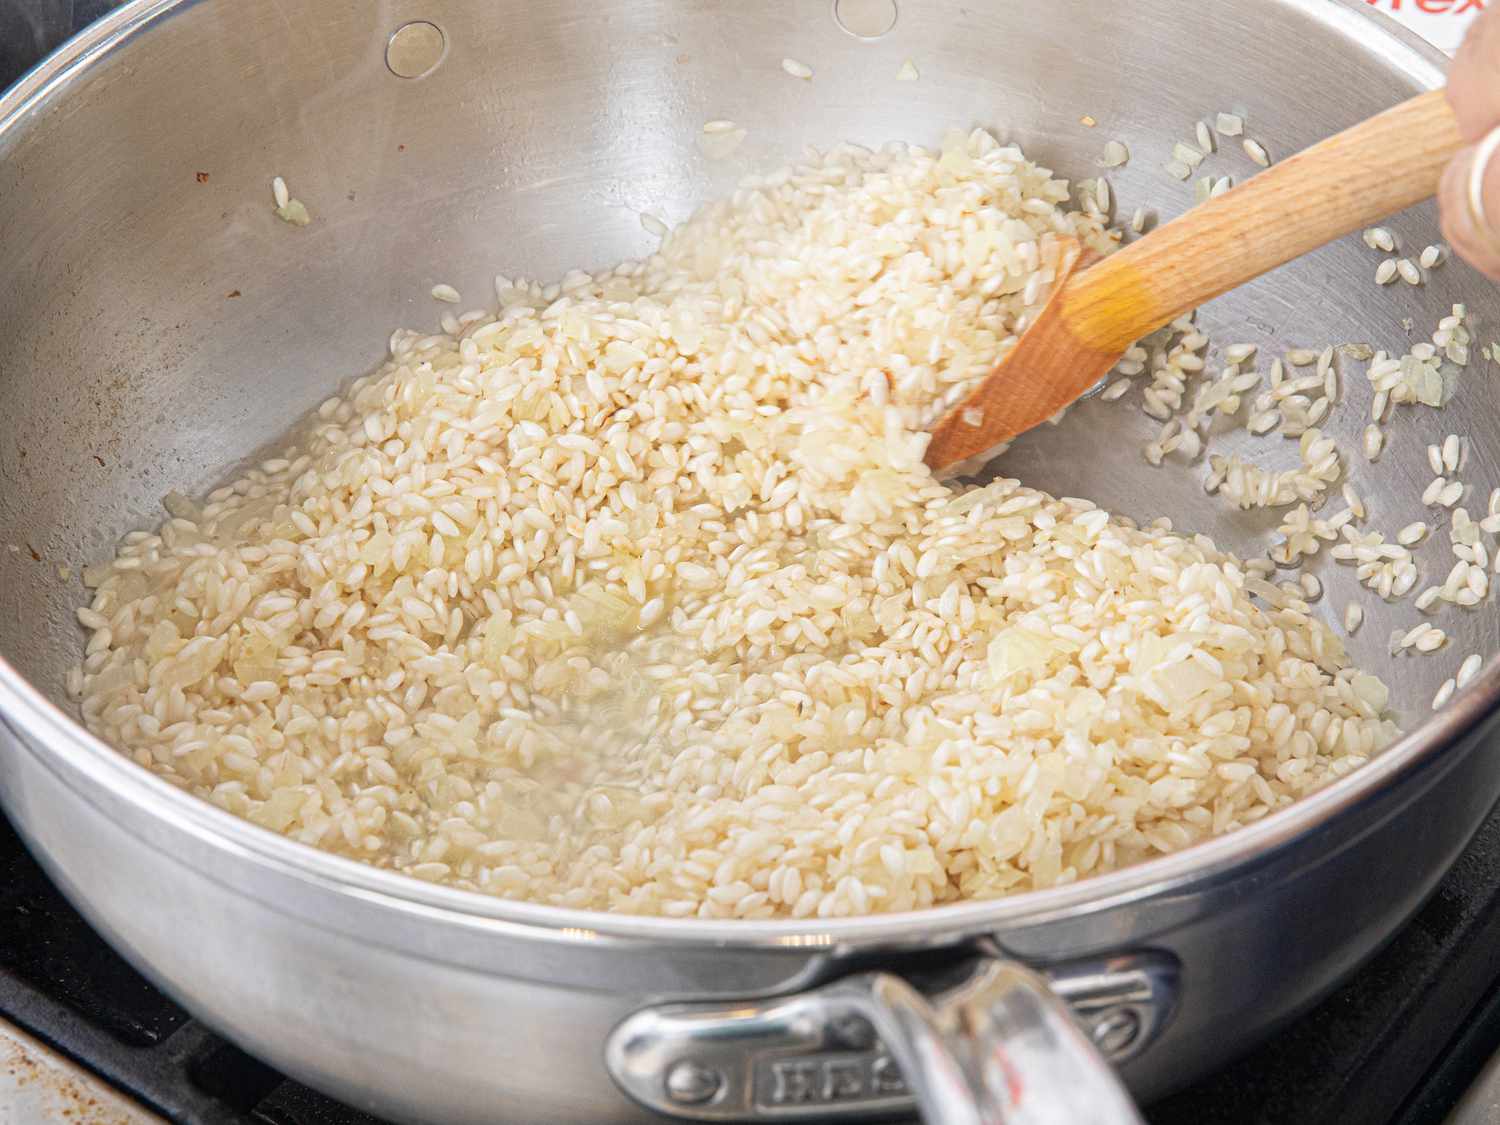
<point x="157" y="325"/>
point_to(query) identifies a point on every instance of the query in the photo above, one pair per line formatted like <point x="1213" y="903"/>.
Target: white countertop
<point x="39" y="1086"/>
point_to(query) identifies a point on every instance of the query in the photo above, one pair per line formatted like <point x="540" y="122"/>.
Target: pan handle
<point x="1002" y="1051"/>
<point x="1006" y="1046"/>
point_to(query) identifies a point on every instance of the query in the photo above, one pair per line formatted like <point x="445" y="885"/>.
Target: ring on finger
<point x="1484" y="156"/>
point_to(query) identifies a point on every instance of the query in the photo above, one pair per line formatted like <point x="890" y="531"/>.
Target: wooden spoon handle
<point x="1339" y="185"/>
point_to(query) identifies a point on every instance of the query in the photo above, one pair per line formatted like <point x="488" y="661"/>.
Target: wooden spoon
<point x="1093" y="314"/>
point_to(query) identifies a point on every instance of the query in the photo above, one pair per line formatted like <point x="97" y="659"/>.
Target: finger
<point x="1479" y="247"/>
<point x="1472" y="86"/>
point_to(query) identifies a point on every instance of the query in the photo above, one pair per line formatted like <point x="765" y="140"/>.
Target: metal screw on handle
<point x="691" y="1083"/>
<point x="1116" y="1031"/>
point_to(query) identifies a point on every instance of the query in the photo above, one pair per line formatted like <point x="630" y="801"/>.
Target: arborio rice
<point x="637" y="596"/>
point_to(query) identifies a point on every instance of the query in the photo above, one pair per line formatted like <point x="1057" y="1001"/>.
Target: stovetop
<point x="1396" y="1045"/>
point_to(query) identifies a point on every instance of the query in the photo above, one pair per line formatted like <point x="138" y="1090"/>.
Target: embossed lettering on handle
<point x="827" y="1080"/>
<point x="815" y="1056"/>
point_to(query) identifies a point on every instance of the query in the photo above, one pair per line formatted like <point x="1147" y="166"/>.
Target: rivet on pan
<point x="692" y="1083"/>
<point x="865" y="19"/>
<point x="415" y="49"/>
<point x="1116" y="1032"/>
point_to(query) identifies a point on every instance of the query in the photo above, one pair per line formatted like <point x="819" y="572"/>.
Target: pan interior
<point x="162" y="326"/>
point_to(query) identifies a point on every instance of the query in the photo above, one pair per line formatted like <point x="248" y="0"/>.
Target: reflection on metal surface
<point x="865" y="19"/>
<point x="415" y="49"/>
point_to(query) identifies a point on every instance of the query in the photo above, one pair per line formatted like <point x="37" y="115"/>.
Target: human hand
<point x="1470" y="194"/>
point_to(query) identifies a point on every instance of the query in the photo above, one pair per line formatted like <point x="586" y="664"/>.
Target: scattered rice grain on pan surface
<point x="628" y="597"/>
<point x="287" y="209"/>
<point x="1116" y="154"/>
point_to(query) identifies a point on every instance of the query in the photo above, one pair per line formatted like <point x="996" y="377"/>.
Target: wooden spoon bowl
<point x="1093" y="314"/>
